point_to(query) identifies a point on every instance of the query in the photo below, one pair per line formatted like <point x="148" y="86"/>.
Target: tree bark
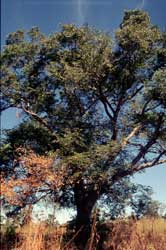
<point x="85" y="201"/>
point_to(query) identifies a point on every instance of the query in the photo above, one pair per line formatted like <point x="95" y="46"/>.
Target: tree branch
<point x="115" y="117"/>
<point x="123" y="144"/>
<point x="39" y="119"/>
<point x="105" y="102"/>
<point x="135" y="93"/>
<point x="133" y="132"/>
<point x="148" y="165"/>
<point x="132" y="170"/>
<point x="106" y="109"/>
<point x="150" y="143"/>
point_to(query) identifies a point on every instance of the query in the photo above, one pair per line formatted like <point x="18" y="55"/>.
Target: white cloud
<point x="82" y="6"/>
<point x="81" y="14"/>
<point x="81" y="11"/>
<point x="141" y="5"/>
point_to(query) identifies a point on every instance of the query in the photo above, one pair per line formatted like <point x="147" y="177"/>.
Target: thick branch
<point x="121" y="173"/>
<point x="115" y="117"/>
<point x="127" y="139"/>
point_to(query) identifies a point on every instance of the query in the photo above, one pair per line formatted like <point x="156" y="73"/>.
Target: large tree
<point x="93" y="110"/>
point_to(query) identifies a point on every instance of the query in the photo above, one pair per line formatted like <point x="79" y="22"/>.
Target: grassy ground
<point x="145" y="234"/>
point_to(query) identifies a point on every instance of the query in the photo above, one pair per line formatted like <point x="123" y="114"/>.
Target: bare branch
<point x="123" y="144"/>
<point x="106" y="109"/>
<point x="133" y="132"/>
<point x="121" y="173"/>
<point x="145" y="105"/>
<point x="105" y="102"/>
<point x="109" y="105"/>
<point x="149" y="165"/>
<point x="145" y="109"/>
<point x="135" y="93"/>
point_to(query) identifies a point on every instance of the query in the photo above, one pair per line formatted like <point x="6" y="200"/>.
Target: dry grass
<point x="35" y="236"/>
<point x="146" y="234"/>
<point x="41" y="236"/>
<point x="156" y="226"/>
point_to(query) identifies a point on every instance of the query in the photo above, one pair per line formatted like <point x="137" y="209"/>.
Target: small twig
<point x="69" y="242"/>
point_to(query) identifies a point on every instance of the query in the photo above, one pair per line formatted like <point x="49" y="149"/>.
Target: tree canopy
<point x="93" y="110"/>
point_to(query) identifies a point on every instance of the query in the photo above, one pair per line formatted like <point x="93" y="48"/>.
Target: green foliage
<point x="137" y="34"/>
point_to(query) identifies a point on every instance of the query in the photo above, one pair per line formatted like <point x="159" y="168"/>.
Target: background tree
<point x="143" y="204"/>
<point x="127" y="196"/>
<point x="96" y="106"/>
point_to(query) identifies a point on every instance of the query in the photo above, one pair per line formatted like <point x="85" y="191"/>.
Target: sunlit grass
<point x="156" y="226"/>
<point x="144" y="234"/>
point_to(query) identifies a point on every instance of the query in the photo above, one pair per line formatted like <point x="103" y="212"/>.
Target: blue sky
<point x="102" y="14"/>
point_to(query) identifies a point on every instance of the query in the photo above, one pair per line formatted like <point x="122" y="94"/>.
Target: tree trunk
<point x="85" y="201"/>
